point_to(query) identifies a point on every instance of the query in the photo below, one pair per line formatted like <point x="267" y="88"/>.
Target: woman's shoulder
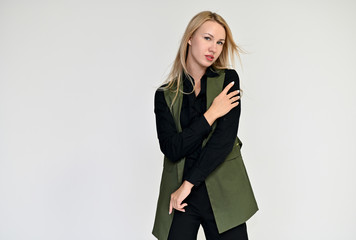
<point x="231" y="75"/>
<point x="230" y="71"/>
<point x="160" y="90"/>
<point x="162" y="87"/>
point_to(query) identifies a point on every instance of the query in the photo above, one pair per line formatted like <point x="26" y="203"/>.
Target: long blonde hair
<point x="226" y="58"/>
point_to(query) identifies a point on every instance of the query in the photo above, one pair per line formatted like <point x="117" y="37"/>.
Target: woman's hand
<point x="222" y="104"/>
<point x="178" y="196"/>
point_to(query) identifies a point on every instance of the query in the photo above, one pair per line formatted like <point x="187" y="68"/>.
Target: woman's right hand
<point x="222" y="104"/>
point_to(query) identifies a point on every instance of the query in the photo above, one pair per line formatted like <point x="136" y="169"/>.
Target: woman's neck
<point x="196" y="72"/>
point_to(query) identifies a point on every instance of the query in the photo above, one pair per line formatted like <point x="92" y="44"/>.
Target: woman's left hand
<point x="178" y="196"/>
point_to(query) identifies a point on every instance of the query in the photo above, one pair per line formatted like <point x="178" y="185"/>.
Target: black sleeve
<point x="221" y="142"/>
<point x="176" y="145"/>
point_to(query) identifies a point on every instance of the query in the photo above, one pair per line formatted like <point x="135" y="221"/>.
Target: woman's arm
<point x="176" y="145"/>
<point x="221" y="142"/>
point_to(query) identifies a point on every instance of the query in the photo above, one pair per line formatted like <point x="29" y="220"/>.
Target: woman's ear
<point x="189" y="41"/>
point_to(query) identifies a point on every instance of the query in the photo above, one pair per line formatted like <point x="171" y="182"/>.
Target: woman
<point x="204" y="180"/>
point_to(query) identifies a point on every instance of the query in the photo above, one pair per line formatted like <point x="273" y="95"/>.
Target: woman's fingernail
<point x="238" y="91"/>
<point x="232" y="82"/>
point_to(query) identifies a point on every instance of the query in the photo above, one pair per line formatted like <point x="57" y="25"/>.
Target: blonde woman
<point x="204" y="181"/>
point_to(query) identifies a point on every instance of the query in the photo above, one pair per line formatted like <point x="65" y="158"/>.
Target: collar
<point x="210" y="72"/>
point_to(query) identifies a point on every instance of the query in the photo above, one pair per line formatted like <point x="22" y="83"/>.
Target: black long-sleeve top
<point x="200" y="162"/>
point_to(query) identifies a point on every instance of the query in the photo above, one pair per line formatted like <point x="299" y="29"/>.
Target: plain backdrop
<point x="79" y="155"/>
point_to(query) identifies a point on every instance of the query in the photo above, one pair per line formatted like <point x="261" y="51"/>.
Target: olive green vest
<point x="229" y="188"/>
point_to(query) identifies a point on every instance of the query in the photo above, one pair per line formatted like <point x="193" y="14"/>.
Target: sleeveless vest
<point x="229" y="188"/>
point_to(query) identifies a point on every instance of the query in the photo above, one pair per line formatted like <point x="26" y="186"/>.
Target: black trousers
<point x="186" y="224"/>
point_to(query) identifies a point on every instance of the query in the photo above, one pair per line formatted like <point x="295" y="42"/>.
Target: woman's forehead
<point x="213" y="28"/>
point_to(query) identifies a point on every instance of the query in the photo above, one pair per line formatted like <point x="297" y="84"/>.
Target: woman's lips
<point x="209" y="57"/>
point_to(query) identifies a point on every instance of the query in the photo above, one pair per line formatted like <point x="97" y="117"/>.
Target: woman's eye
<point x="220" y="43"/>
<point x="207" y="38"/>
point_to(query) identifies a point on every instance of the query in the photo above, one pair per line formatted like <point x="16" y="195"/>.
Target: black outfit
<point x="200" y="162"/>
<point x="185" y="225"/>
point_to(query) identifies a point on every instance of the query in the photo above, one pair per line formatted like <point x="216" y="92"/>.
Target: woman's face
<point x="205" y="45"/>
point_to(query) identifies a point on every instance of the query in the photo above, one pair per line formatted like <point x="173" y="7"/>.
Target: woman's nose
<point x="212" y="47"/>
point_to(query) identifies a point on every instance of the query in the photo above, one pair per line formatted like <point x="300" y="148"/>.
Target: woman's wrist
<point x="187" y="184"/>
<point x="210" y="117"/>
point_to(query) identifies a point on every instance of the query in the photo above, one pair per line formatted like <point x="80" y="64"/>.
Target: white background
<point x="79" y="156"/>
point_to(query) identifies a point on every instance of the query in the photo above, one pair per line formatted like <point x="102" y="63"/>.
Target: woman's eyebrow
<point x="211" y="35"/>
